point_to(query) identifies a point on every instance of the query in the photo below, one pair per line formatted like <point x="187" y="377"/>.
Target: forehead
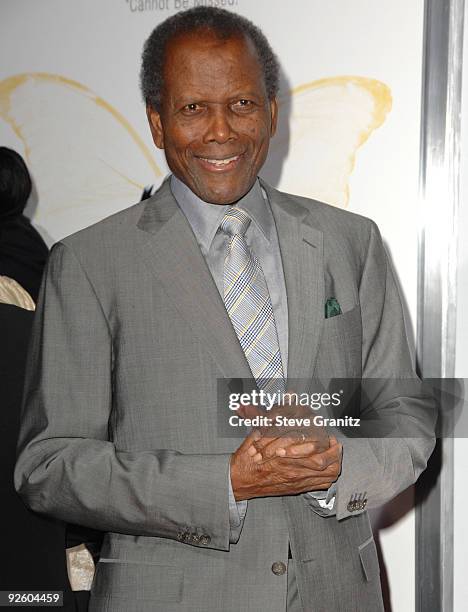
<point x="201" y="60"/>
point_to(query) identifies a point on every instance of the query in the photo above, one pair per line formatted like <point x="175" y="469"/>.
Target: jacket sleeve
<point x="378" y="467"/>
<point x="67" y="465"/>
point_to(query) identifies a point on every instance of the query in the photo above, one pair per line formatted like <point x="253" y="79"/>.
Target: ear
<point x="274" y="115"/>
<point x="154" y="120"/>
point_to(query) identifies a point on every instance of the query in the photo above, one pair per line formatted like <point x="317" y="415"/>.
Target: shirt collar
<point x="205" y="218"/>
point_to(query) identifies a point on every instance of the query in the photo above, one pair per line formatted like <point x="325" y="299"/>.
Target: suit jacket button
<point x="278" y="568"/>
<point x="351" y="506"/>
<point x="195" y="538"/>
<point x="180" y="536"/>
<point x="205" y="540"/>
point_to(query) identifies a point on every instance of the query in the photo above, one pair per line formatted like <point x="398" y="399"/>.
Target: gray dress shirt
<point x="261" y="237"/>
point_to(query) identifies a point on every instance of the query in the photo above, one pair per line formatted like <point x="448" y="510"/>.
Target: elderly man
<point x="217" y="276"/>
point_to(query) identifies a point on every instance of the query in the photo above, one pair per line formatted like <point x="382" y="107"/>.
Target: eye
<point x="243" y="105"/>
<point x="191" y="108"/>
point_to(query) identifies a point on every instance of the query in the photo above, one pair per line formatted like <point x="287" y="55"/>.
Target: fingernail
<point x="281" y="452"/>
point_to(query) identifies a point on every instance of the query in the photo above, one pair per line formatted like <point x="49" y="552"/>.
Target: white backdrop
<point x="350" y="104"/>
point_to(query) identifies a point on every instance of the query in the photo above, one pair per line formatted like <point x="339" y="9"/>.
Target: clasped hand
<point x="283" y="460"/>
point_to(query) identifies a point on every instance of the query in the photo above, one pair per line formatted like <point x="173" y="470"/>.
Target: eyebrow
<point x="186" y="99"/>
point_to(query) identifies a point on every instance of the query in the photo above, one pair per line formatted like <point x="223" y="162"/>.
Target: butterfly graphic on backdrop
<point x="88" y="161"/>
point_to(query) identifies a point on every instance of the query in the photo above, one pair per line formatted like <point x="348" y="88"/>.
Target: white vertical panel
<point x="461" y="362"/>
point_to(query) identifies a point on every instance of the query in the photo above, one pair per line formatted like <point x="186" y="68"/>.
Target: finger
<point x="254" y="454"/>
<point x="249" y="411"/>
<point x="322" y="461"/>
<point x="303" y="449"/>
<point x="265" y="440"/>
<point x="335" y="446"/>
<point x="249" y="441"/>
<point x="307" y="446"/>
<point x="293" y="421"/>
<point x="271" y="448"/>
<point x="319" y="484"/>
<point x="257" y="458"/>
<point x="328" y="476"/>
<point x="289" y="412"/>
<point x="317" y="462"/>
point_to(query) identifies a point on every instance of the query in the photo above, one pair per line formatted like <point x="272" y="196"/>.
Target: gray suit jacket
<point x="120" y="420"/>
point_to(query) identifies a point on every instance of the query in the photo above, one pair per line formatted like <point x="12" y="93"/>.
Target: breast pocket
<point x="340" y="353"/>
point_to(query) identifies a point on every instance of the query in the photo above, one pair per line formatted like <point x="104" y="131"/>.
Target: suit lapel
<point x="302" y="254"/>
<point x="172" y="253"/>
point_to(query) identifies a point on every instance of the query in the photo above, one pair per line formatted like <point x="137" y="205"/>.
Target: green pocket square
<point x="332" y="308"/>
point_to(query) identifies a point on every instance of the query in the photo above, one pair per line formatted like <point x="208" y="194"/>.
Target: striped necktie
<point x="248" y="304"/>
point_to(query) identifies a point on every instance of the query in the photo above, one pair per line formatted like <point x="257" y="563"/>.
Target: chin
<point x="224" y="197"/>
<point x="222" y="201"/>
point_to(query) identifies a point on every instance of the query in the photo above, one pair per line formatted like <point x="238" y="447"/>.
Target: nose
<point x="220" y="128"/>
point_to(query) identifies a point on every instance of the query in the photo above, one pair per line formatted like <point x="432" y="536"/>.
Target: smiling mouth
<point x="227" y="162"/>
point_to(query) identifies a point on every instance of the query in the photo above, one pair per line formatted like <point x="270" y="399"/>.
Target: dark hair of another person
<point x="220" y="22"/>
<point x="23" y="252"/>
<point x="15" y="183"/>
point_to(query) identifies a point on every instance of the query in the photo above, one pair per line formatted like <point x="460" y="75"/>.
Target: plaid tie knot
<point x="235" y="222"/>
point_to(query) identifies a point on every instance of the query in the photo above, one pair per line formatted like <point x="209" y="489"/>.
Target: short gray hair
<point x="223" y="24"/>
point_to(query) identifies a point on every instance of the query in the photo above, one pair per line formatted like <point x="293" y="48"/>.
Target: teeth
<point x="220" y="162"/>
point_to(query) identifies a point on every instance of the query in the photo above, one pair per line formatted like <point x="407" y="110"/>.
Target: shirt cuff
<point x="324" y="499"/>
<point x="237" y="512"/>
